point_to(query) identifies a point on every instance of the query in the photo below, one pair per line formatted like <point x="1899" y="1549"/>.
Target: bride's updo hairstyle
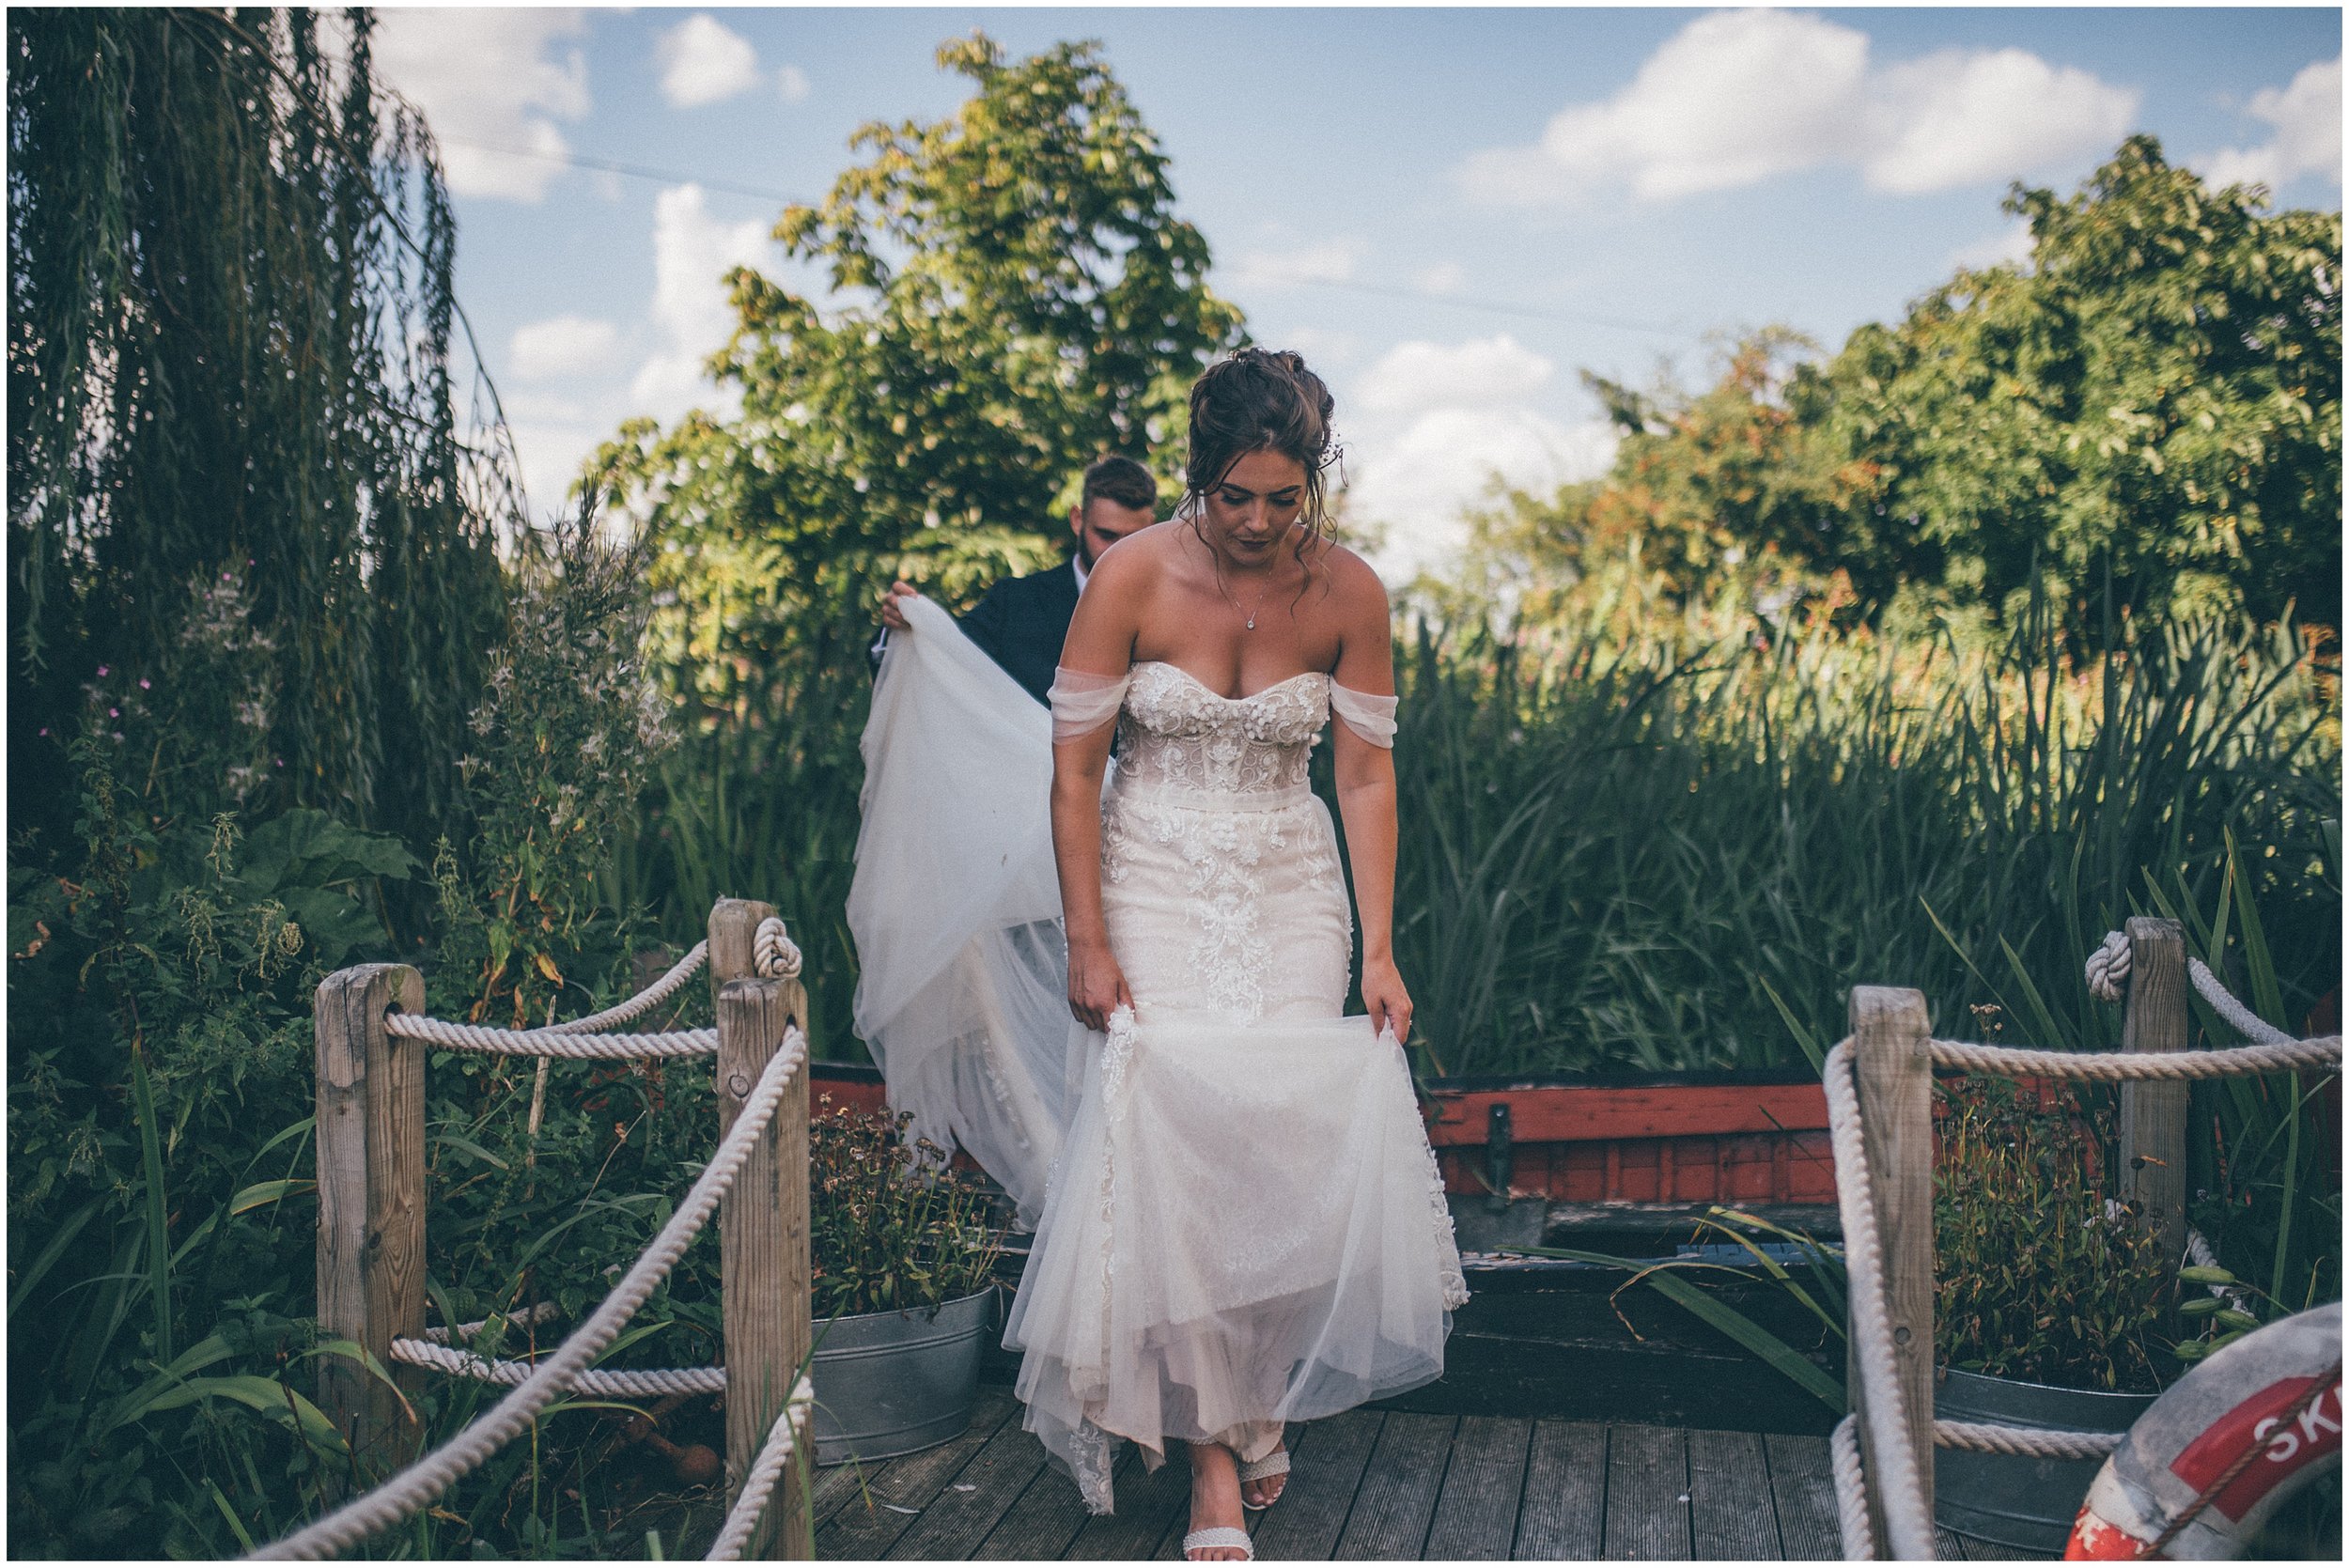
<point x="1261" y="400"/>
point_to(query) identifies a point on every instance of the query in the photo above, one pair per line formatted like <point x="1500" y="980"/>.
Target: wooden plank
<point x="1044" y="1522"/>
<point x="1396" y="1500"/>
<point x="838" y="1486"/>
<point x="867" y="1527"/>
<point x="1728" y="1490"/>
<point x="1978" y="1550"/>
<point x="1325" y="1470"/>
<point x="1567" y="1115"/>
<point x="1476" y="1513"/>
<point x="1563" y="1513"/>
<point x="1893" y="1071"/>
<point x="1147" y="1502"/>
<point x="1802" y="1487"/>
<point x="2153" y="1115"/>
<point x="370" y="1234"/>
<point x="1647" y="1494"/>
<point x="952" y="1527"/>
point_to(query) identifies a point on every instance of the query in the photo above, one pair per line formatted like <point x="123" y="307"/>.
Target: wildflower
<point x="102" y="672"/>
<point x="146" y="685"/>
<point x="114" y="713"/>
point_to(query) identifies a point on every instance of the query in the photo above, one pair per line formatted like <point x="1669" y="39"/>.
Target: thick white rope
<point x="2120" y="1066"/>
<point x="782" y="1439"/>
<point x="2030" y="1442"/>
<point x="773" y="953"/>
<point x="1902" y="1488"/>
<point x="2239" y="1017"/>
<point x="2107" y="967"/>
<point x="1851" y="1492"/>
<point x="642" y="1001"/>
<point x="632" y="1383"/>
<point x="528" y="1315"/>
<point x="559" y="1040"/>
<point x="2109" y="977"/>
<point x="418" y="1486"/>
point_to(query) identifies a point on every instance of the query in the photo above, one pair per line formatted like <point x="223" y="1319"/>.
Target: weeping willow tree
<point x="233" y="416"/>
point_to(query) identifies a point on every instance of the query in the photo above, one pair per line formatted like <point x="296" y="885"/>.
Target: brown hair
<point x="1263" y="400"/>
<point x="1121" y="482"/>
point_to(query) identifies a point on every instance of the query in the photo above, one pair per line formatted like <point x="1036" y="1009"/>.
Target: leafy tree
<point x="1025" y="300"/>
<point x="2159" y="393"/>
<point x="2153" y="401"/>
<point x="230" y="320"/>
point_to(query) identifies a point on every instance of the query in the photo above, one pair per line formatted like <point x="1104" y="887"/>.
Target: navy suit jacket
<point x="1023" y="621"/>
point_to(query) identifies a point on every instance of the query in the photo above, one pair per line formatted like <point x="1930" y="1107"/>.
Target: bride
<point x="1243" y="1225"/>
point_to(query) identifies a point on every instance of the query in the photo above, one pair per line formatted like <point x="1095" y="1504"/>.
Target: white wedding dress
<point x="1244" y="1225"/>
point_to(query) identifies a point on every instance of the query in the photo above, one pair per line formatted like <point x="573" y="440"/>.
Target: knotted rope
<point x="773" y="1455"/>
<point x="2109" y="977"/>
<point x="418" y="1486"/>
<point x="1851" y="1492"/>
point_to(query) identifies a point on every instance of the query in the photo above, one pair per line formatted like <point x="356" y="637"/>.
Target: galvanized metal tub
<point x="892" y="1383"/>
<point x="2028" y="1503"/>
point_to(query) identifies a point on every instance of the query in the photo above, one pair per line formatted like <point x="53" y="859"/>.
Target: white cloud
<point x="792" y="83"/>
<point x="498" y="77"/>
<point x="1438" y="423"/>
<point x="1444" y="277"/>
<point x="2306" y="116"/>
<point x="692" y="251"/>
<point x="1483" y="373"/>
<point x="2009" y="247"/>
<point x="1737" y="98"/>
<point x="563" y="346"/>
<point x="1331" y="261"/>
<point x="704" y="61"/>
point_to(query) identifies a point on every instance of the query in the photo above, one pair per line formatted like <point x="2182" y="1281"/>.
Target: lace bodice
<point x="1176" y="737"/>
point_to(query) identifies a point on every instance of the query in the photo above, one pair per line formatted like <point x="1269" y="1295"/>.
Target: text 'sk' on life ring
<point x="2274" y="1394"/>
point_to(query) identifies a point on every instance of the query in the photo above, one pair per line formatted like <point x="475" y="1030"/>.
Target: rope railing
<point x="1897" y="1486"/>
<point x="633" y="1383"/>
<point x="782" y="1444"/>
<point x="421" y="1483"/>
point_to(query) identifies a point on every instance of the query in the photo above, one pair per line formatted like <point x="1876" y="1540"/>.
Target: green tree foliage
<point x="231" y="318"/>
<point x="2159" y="393"/>
<point x="2155" y="396"/>
<point x="1025" y="301"/>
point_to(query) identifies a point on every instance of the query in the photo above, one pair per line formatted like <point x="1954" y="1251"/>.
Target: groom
<point x="1022" y="621"/>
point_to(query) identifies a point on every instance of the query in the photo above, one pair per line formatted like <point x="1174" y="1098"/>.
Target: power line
<point x="1495" y="307"/>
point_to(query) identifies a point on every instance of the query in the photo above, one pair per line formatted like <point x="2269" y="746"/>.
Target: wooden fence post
<point x="733" y="937"/>
<point x="1894" y="1074"/>
<point x="370" y="1165"/>
<point x="764" y="1265"/>
<point x="2152" y="1114"/>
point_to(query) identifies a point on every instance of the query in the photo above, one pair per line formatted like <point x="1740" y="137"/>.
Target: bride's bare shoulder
<point x="1354" y="587"/>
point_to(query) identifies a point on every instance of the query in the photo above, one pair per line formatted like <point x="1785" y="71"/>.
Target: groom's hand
<point x="893" y="612"/>
<point x="1096" y="987"/>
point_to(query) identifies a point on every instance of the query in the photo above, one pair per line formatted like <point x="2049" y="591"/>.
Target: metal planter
<point x="2026" y="1503"/>
<point x="892" y="1383"/>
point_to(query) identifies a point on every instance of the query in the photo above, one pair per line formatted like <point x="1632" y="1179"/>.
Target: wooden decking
<point x="1369" y="1484"/>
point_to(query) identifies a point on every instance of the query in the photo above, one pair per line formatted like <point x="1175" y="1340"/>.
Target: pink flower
<point x="102" y="672"/>
<point x="114" y="713"/>
<point x="146" y="686"/>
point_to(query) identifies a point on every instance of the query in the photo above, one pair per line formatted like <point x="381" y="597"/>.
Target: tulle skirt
<point x="1245" y="1225"/>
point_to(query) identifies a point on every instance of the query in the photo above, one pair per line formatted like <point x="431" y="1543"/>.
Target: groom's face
<point x="1100" y="523"/>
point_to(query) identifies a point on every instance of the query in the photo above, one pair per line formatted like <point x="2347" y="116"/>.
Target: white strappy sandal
<point x="1220" y="1535"/>
<point x="1275" y="1462"/>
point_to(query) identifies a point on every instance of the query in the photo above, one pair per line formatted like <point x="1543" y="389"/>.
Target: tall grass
<point x="1682" y="853"/>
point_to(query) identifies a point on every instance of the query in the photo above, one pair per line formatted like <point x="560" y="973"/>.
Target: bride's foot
<point x="1262" y="1482"/>
<point x="1215" y="1506"/>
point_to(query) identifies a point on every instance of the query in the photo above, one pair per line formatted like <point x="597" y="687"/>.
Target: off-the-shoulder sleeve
<point x="1083" y="703"/>
<point x="1365" y="713"/>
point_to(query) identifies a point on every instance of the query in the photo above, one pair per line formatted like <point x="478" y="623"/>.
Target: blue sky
<point x="1449" y="211"/>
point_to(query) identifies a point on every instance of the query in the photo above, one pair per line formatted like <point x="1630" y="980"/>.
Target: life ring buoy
<point x="2273" y="1395"/>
